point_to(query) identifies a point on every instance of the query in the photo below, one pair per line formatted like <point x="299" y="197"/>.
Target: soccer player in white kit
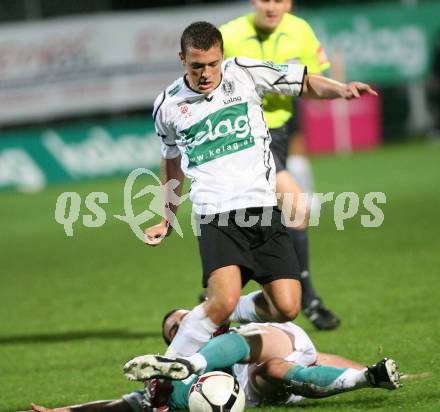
<point x="213" y="131"/>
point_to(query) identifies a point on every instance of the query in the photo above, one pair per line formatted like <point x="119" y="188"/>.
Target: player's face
<point x="268" y="13"/>
<point x="171" y="325"/>
<point x="203" y="68"/>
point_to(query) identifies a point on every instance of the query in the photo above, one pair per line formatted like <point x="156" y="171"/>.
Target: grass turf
<point x="74" y="309"/>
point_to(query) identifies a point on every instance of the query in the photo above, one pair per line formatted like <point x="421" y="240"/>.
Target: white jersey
<point x="222" y="137"/>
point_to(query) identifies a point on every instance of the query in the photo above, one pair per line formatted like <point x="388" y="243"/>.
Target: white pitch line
<point x="410" y="376"/>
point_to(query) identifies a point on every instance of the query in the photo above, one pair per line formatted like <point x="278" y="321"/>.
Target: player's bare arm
<point x="170" y="169"/>
<point x="102" y="406"/>
<point x="319" y="87"/>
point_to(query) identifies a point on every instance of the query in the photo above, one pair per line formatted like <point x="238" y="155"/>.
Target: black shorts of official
<point x="279" y="146"/>
<point x="263" y="251"/>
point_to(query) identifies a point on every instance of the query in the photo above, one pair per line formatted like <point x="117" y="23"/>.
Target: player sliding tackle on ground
<point x="213" y="131"/>
<point x="274" y="363"/>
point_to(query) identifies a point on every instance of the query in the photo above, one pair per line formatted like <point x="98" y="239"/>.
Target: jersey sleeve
<point x="268" y="77"/>
<point x="164" y="131"/>
<point x="313" y="56"/>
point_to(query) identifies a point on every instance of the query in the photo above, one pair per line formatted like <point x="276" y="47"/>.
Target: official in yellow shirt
<point x="291" y="41"/>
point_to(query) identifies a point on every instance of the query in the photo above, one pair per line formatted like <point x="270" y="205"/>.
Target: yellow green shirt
<point x="292" y="41"/>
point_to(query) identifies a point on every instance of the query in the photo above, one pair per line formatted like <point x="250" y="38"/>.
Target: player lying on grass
<point x="275" y="363"/>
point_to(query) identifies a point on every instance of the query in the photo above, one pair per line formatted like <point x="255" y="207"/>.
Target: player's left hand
<point x="154" y="235"/>
<point x="354" y="90"/>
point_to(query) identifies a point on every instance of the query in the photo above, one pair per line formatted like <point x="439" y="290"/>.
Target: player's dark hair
<point x="200" y="35"/>
<point x="167" y="315"/>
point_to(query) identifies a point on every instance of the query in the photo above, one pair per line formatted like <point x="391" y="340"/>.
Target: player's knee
<point x="228" y="305"/>
<point x="288" y="312"/>
<point x="220" y="309"/>
<point x="272" y="369"/>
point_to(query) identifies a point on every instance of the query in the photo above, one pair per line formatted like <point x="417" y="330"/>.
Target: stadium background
<point x="73" y="309"/>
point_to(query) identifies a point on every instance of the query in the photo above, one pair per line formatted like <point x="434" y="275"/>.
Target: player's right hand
<point x="354" y="90"/>
<point x="155" y="234"/>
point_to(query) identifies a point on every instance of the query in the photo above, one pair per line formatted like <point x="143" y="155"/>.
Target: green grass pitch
<point x="74" y="309"/>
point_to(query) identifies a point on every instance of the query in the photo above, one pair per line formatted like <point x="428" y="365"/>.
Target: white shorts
<point x="304" y="355"/>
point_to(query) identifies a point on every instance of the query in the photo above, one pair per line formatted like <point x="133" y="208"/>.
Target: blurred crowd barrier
<point x="32" y="159"/>
<point x="382" y="44"/>
<point x="119" y="62"/>
<point x="340" y="126"/>
<point x="110" y="62"/>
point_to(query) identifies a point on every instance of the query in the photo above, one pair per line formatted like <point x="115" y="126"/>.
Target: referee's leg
<point x="297" y="212"/>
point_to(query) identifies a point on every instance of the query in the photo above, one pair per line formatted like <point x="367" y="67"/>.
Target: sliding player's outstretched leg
<point x="322" y="381"/>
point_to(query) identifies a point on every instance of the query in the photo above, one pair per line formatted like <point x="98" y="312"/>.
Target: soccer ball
<point x="216" y="392"/>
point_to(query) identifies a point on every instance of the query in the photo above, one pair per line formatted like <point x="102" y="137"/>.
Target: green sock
<point x="223" y="351"/>
<point x="322" y="381"/>
<point x="316" y="375"/>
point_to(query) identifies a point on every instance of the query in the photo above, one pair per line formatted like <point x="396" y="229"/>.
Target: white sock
<point x="245" y="311"/>
<point x="299" y="167"/>
<point x="199" y="363"/>
<point x="195" y="330"/>
<point x="349" y="380"/>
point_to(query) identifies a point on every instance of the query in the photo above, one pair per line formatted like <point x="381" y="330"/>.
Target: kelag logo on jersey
<point x="221" y="133"/>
